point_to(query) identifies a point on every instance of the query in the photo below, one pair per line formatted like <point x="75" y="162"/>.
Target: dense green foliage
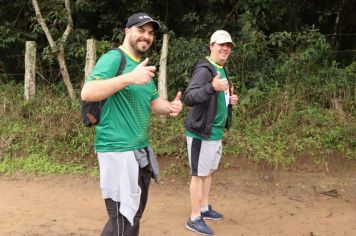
<point x="188" y="22"/>
<point x="297" y="97"/>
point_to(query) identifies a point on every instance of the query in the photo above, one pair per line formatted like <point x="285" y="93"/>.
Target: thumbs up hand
<point x="176" y="105"/>
<point x="219" y="84"/>
<point x="143" y="73"/>
<point x="233" y="99"/>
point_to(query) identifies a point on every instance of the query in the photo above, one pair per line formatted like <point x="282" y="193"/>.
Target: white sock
<point x="204" y="208"/>
<point x="193" y="218"/>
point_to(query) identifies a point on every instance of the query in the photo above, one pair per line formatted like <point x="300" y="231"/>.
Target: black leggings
<point x="118" y="225"/>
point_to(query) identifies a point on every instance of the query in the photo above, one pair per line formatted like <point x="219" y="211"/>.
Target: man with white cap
<point x="124" y="81"/>
<point x="210" y="96"/>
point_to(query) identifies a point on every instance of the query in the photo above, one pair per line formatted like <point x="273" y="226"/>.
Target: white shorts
<point x="204" y="156"/>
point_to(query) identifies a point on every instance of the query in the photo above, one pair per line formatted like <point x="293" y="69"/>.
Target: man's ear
<point x="127" y="30"/>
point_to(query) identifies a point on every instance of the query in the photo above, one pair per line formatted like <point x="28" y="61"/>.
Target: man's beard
<point x="134" y="45"/>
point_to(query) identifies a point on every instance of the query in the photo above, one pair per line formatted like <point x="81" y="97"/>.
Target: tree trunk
<point x="58" y="49"/>
<point x="64" y="72"/>
<point x="336" y="39"/>
<point x="90" y="57"/>
<point x="30" y="70"/>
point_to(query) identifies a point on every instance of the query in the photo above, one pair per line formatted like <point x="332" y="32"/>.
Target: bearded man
<point x="121" y="142"/>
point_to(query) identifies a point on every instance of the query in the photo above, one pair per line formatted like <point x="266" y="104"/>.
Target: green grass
<point x="46" y="135"/>
<point x="38" y="164"/>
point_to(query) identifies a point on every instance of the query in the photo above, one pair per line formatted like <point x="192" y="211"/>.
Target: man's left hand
<point x="233" y="99"/>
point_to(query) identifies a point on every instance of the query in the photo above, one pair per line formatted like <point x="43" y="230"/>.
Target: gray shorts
<point x="204" y="156"/>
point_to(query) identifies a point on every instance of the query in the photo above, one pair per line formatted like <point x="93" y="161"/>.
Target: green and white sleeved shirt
<point x="125" y="118"/>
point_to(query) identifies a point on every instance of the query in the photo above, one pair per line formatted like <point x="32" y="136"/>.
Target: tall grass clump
<point x="46" y="129"/>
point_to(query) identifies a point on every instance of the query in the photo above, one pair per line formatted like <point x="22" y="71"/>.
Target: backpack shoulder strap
<point x="122" y="62"/>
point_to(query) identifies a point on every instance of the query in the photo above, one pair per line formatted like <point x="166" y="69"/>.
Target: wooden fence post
<point x="90" y="56"/>
<point x="30" y="70"/>
<point x="162" y="82"/>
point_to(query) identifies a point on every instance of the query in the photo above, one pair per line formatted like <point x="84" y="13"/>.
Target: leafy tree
<point x="58" y="48"/>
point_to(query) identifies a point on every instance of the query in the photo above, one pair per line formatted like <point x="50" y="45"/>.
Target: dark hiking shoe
<point x="198" y="226"/>
<point x="211" y="214"/>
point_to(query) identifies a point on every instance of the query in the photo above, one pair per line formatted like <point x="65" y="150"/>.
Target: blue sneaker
<point x="211" y="214"/>
<point x="198" y="226"/>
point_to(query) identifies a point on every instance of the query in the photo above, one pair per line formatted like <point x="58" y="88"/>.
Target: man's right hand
<point x="219" y="84"/>
<point x="143" y="73"/>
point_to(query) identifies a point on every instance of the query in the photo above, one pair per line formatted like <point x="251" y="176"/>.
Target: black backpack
<point x="91" y="111"/>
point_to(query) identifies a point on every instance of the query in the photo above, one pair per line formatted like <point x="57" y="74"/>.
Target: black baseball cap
<point x="141" y="18"/>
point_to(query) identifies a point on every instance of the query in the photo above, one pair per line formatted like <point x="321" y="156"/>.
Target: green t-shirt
<point x="219" y="122"/>
<point x="125" y="118"/>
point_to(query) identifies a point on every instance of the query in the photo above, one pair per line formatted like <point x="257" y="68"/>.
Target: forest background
<point x="293" y="68"/>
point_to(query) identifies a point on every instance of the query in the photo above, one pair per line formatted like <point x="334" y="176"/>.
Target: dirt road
<point x="254" y="202"/>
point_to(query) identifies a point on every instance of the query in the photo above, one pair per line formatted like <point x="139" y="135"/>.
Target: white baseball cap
<point x="220" y="37"/>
